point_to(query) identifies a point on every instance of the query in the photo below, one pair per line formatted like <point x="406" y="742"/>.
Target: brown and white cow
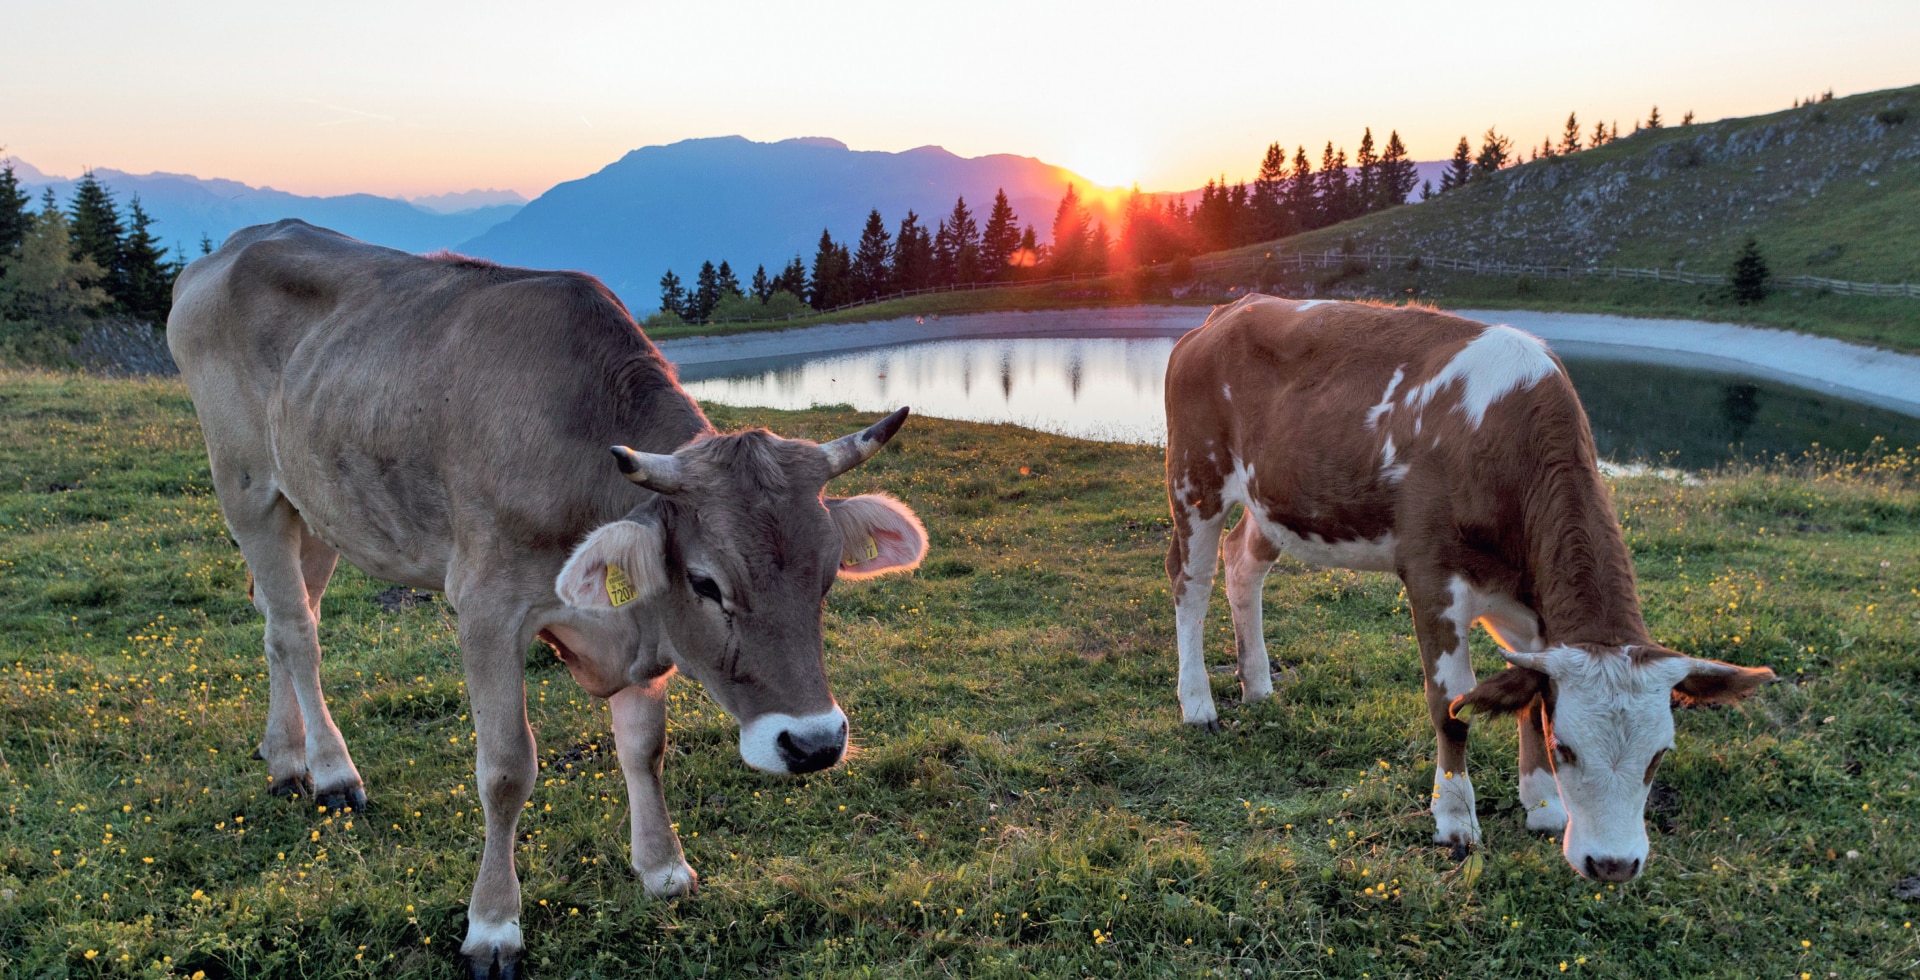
<point x="1457" y="456"/>
<point x="444" y="423"/>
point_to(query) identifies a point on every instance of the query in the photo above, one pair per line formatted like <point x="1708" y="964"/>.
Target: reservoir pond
<point x="1644" y="407"/>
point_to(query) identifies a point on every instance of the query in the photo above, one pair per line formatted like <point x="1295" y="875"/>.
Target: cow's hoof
<point x="1209" y="725"/>
<point x="674" y="881"/>
<point x="1459" y="850"/>
<point x="493" y="953"/>
<point x="495" y="966"/>
<point x="353" y="796"/>
<point x="296" y="785"/>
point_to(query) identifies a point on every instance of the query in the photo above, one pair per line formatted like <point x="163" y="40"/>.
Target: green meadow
<point x="1024" y="800"/>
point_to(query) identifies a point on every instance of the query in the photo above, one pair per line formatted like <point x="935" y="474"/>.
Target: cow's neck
<point x="1582" y="576"/>
<point x="665" y="417"/>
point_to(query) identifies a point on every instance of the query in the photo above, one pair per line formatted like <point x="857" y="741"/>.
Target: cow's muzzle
<point x="793" y="745"/>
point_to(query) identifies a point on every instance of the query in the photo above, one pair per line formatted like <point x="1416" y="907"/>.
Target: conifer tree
<point x="1570" y="137"/>
<point x="1687" y="120"/>
<point x="1426" y="190"/>
<point x="912" y="255"/>
<point x="1334" y="193"/>
<point x="1269" y="207"/>
<point x="825" y="286"/>
<point x="206" y="244"/>
<point x="99" y="235"/>
<point x="16" y="213"/>
<point x="1495" y="152"/>
<point x="1239" y="213"/>
<point x="872" y="265"/>
<point x="1029" y="250"/>
<point x="726" y="282"/>
<point x="706" y="292"/>
<point x="1098" y="247"/>
<point x="149" y="275"/>
<point x="945" y="269"/>
<point x="46" y="283"/>
<point x="1069" y="235"/>
<point x="1366" y="184"/>
<point x="762" y="287"/>
<point x="673" y="295"/>
<point x="1599" y="137"/>
<point x="963" y="237"/>
<point x="1302" y="193"/>
<point x="1398" y="175"/>
<point x="1460" y="169"/>
<point x="793" y="278"/>
<point x="1750" y="280"/>
<point x="999" y="239"/>
<point x="1653" y="119"/>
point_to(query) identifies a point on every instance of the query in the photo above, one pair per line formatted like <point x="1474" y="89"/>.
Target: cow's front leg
<point x="1191" y="559"/>
<point x="1249" y="556"/>
<point x="1539" y="793"/>
<point x="640" y="735"/>
<point x="493" y="648"/>
<point x="1441" y="622"/>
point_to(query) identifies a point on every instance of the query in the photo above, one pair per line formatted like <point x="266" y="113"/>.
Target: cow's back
<point x="413" y="407"/>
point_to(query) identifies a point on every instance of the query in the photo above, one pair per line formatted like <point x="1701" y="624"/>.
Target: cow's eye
<point x="1567" y="758"/>
<point x="704" y="587"/>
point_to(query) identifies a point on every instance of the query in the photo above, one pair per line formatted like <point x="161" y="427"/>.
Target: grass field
<point x="1025" y="800"/>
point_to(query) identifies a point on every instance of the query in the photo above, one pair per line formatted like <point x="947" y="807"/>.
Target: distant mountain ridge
<point x="185" y="207"/>
<point x="750" y="203"/>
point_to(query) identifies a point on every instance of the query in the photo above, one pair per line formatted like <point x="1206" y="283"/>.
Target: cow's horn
<point x="656" y="472"/>
<point x="847" y="452"/>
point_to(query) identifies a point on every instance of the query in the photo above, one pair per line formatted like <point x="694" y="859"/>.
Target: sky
<point x="413" y="98"/>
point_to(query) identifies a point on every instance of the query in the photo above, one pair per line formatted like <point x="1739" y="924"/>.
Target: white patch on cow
<point x="1454" y="821"/>
<point x="484" y="939"/>
<point x="1389" y="471"/>
<point x="1226" y="391"/>
<point x="1540" y="795"/>
<point x="760" y="738"/>
<point x="1614" y="716"/>
<point x="1498" y="362"/>
<point x="1190" y="607"/>
<point x="1386" y="400"/>
<point x="1308" y="304"/>
<point x="1361" y="555"/>
<point x="668" y="881"/>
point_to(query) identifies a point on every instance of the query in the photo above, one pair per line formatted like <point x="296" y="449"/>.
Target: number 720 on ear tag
<point x="620" y="589"/>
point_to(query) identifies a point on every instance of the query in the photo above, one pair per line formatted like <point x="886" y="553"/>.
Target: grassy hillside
<point x="1831" y="189"/>
<point x="1025" y="800"/>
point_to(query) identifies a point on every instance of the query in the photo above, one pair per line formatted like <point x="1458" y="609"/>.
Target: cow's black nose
<point x="811" y="754"/>
<point x="1612" y="869"/>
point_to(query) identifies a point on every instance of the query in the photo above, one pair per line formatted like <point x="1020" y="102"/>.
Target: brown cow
<point x="444" y="423"/>
<point x="1456" y="455"/>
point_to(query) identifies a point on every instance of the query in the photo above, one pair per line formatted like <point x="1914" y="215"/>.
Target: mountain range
<point x="185" y="208"/>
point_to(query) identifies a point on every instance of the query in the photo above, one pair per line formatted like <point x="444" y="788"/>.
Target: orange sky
<point x="421" y="98"/>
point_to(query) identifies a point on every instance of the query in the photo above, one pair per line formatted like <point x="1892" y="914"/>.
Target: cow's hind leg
<point x="1192" y="557"/>
<point x="1442" y="631"/>
<point x="302" y="747"/>
<point x="493" y="643"/>
<point x="1249" y="556"/>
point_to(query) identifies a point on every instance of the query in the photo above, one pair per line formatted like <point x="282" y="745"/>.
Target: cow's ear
<point x="878" y="535"/>
<point x="1713" y="682"/>
<point x="615" y="565"/>
<point x="1502" y="694"/>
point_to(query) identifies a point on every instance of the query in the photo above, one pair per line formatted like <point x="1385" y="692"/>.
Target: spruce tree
<point x="945" y="268"/>
<point x="706" y="292"/>
<point x="1069" y="235"/>
<point x="673" y="295"/>
<point x="1653" y="119"/>
<point x="762" y="287"/>
<point x="1687" y="120"/>
<point x="912" y="255"/>
<point x="872" y="264"/>
<point x="964" y="240"/>
<point x="793" y="278"/>
<point x="1398" y="175"/>
<point x="1028" y="254"/>
<point x="16" y="214"/>
<point x="1366" y="185"/>
<point x="1460" y="169"/>
<point x="1570" y="138"/>
<point x="1099" y="245"/>
<point x="1750" y="280"/>
<point x="99" y="235"/>
<point x="999" y="239"/>
<point x="1239" y="213"/>
<point x="1302" y="193"/>
<point x="1269" y="188"/>
<point x="831" y="270"/>
<point x="726" y="282"/>
<point x="1495" y="152"/>
<point x="46" y="284"/>
<point x="1334" y="194"/>
<point x="149" y="275"/>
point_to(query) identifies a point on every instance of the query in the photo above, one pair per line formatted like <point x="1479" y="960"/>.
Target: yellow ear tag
<point x="620" y="590"/>
<point x="870" y="552"/>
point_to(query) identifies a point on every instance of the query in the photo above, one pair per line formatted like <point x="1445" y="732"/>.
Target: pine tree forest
<point x="61" y="268"/>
